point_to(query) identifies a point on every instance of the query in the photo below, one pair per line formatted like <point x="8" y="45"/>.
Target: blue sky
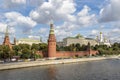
<point x="31" y="18"/>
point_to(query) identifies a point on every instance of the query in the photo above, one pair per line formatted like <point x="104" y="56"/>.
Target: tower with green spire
<point x="51" y="43"/>
<point x="6" y="39"/>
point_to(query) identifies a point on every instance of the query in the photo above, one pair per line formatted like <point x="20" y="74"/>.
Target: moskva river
<point x="91" y="70"/>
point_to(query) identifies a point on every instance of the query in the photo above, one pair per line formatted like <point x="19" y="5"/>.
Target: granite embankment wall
<point x="6" y="66"/>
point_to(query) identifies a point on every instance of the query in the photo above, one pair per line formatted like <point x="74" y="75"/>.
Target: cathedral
<point x="102" y="40"/>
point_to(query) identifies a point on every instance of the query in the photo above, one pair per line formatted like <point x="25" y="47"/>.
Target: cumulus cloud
<point x="25" y="22"/>
<point x="35" y="2"/>
<point x="56" y="10"/>
<point x="84" y="18"/>
<point x="43" y="30"/>
<point x="61" y="11"/>
<point x="13" y="3"/>
<point x="3" y="27"/>
<point x="116" y="30"/>
<point x="94" y="32"/>
<point x="111" y="12"/>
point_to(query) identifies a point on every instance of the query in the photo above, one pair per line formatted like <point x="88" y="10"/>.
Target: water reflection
<point x="52" y="73"/>
<point x="93" y="70"/>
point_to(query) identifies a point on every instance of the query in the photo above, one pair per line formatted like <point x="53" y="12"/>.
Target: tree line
<point x="73" y="47"/>
<point x="114" y="49"/>
<point x="25" y="51"/>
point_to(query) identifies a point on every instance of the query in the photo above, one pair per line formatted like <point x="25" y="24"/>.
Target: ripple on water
<point x="93" y="70"/>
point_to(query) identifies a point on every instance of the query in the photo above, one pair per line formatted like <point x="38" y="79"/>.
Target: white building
<point x="28" y="41"/>
<point x="78" y="39"/>
<point x="102" y="40"/>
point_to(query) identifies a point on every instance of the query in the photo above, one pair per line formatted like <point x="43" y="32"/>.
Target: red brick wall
<point x="68" y="53"/>
<point x="92" y="52"/>
<point x="71" y="54"/>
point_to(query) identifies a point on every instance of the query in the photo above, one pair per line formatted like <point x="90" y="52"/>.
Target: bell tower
<point x="51" y="43"/>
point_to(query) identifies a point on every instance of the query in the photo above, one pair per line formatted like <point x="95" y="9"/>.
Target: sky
<point x="31" y="18"/>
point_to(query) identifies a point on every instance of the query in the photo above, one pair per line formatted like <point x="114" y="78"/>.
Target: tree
<point x="23" y="46"/>
<point x="84" y="47"/>
<point x="5" y="52"/>
<point x="77" y="47"/>
<point x="17" y="49"/>
<point x="43" y="46"/>
<point x="26" y="53"/>
<point x="35" y="46"/>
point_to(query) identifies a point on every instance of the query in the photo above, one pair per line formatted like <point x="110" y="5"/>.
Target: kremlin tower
<point x="51" y="43"/>
<point x="6" y="39"/>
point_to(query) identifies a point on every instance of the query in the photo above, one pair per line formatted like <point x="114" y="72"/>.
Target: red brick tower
<point x="14" y="41"/>
<point x="6" y="39"/>
<point x="51" y="43"/>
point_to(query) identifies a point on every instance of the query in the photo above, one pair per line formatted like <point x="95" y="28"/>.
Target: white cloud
<point x="111" y="12"/>
<point x="35" y="2"/>
<point x="84" y="18"/>
<point x="3" y="28"/>
<point x="43" y="30"/>
<point x="94" y="32"/>
<point x="18" y="1"/>
<point x="18" y="20"/>
<point x="116" y="30"/>
<point x="56" y="10"/>
<point x="13" y="3"/>
<point x="63" y="10"/>
<point x="84" y="11"/>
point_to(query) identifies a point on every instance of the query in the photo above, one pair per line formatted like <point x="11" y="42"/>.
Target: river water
<point x="91" y="70"/>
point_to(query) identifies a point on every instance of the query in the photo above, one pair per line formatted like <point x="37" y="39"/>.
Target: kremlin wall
<point x="52" y="53"/>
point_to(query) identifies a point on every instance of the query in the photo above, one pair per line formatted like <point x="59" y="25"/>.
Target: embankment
<point x="6" y="66"/>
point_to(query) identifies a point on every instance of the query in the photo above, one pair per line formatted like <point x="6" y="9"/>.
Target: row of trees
<point x="73" y="47"/>
<point x="114" y="49"/>
<point x="105" y="50"/>
<point x="24" y="51"/>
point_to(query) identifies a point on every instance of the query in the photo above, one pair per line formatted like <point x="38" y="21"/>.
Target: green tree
<point x="26" y="53"/>
<point x="43" y="46"/>
<point x="35" y="46"/>
<point x="17" y="49"/>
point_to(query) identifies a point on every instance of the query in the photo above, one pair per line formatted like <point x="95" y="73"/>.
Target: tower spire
<point x="7" y="33"/>
<point x="6" y="39"/>
<point x="51" y="28"/>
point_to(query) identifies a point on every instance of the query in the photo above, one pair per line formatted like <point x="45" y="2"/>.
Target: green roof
<point x="79" y="36"/>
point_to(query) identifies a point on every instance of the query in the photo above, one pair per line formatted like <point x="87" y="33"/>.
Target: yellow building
<point x="28" y="41"/>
